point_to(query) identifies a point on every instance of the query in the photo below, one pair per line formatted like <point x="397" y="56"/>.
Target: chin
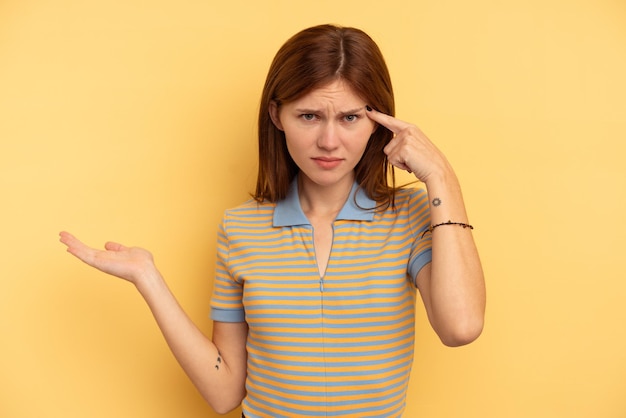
<point x="328" y="179"/>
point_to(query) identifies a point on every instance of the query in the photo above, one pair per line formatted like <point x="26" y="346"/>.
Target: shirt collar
<point x="358" y="207"/>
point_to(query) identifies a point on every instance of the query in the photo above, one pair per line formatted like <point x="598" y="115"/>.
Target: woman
<point x="316" y="276"/>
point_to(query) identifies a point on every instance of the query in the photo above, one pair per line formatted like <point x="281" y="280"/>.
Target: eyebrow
<point x="347" y="112"/>
<point x="352" y="112"/>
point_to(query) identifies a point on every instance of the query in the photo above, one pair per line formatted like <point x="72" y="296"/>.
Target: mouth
<point x="327" y="162"/>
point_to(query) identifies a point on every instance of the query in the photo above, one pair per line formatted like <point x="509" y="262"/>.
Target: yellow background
<point x="135" y="121"/>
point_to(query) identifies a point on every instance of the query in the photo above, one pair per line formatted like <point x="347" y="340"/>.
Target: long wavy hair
<point x="310" y="59"/>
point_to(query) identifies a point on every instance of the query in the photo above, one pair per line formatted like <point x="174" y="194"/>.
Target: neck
<point x="323" y="201"/>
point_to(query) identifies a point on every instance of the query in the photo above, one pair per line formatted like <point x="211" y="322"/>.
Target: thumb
<point x="114" y="246"/>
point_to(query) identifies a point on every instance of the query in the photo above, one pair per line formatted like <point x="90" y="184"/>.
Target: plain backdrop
<point x="135" y="121"/>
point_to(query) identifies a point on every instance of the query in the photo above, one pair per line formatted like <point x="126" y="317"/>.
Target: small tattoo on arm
<point x="219" y="361"/>
<point x="436" y="201"/>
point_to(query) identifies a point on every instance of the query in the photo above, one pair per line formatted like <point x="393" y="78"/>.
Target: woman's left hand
<point x="452" y="285"/>
<point x="410" y="149"/>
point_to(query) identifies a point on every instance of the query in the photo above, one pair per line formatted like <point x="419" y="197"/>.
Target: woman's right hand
<point x="222" y="387"/>
<point x="128" y="263"/>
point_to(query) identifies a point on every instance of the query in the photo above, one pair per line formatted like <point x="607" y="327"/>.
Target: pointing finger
<point x="389" y="122"/>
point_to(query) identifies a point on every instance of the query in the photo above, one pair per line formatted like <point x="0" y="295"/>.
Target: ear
<point x="275" y="115"/>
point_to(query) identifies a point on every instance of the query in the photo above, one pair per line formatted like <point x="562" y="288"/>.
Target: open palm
<point x="128" y="263"/>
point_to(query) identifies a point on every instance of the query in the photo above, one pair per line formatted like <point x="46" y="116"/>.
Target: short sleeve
<point x="419" y="215"/>
<point x="226" y="300"/>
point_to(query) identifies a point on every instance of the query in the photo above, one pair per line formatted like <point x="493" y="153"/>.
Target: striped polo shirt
<point x="340" y="345"/>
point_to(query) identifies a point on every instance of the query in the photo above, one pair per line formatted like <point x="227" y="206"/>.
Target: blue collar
<point x="358" y="207"/>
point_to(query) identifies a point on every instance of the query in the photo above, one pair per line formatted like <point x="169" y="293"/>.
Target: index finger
<point x="393" y="124"/>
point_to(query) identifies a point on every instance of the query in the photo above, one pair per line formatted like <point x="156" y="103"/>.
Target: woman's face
<point x="327" y="131"/>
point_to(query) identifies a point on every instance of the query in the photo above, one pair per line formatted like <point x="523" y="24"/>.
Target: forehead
<point x="337" y="92"/>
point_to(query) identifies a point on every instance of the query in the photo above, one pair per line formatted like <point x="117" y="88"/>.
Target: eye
<point x="351" y="118"/>
<point x="308" y="116"/>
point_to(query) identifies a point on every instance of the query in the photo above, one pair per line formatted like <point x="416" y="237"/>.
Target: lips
<point x="327" y="162"/>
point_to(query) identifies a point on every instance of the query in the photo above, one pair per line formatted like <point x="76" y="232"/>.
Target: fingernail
<point x="369" y="109"/>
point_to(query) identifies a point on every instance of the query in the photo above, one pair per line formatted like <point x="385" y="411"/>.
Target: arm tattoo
<point x="219" y="361"/>
<point x="436" y="201"/>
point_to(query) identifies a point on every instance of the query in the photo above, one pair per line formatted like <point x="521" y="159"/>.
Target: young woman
<point x="316" y="277"/>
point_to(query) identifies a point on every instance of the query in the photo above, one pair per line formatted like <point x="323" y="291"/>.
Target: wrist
<point x="443" y="180"/>
<point x="148" y="281"/>
<point x="446" y="199"/>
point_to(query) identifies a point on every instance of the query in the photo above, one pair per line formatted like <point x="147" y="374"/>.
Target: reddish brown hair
<point x="310" y="59"/>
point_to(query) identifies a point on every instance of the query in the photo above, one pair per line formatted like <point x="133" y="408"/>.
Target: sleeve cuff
<point x="228" y="315"/>
<point x="418" y="263"/>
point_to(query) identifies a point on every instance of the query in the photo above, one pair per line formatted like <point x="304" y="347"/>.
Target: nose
<point x="328" y="136"/>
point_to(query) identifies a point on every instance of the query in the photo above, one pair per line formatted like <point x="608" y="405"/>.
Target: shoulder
<point x="249" y="215"/>
<point x="409" y="203"/>
<point x="410" y="196"/>
<point x="247" y="222"/>
<point x="250" y="208"/>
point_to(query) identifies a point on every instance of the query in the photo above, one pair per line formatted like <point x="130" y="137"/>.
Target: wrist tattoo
<point x="436" y="201"/>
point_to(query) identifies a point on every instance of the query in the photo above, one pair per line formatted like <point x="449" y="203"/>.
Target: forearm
<point x="199" y="357"/>
<point x="219" y="378"/>
<point x="456" y="289"/>
<point x="452" y="286"/>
